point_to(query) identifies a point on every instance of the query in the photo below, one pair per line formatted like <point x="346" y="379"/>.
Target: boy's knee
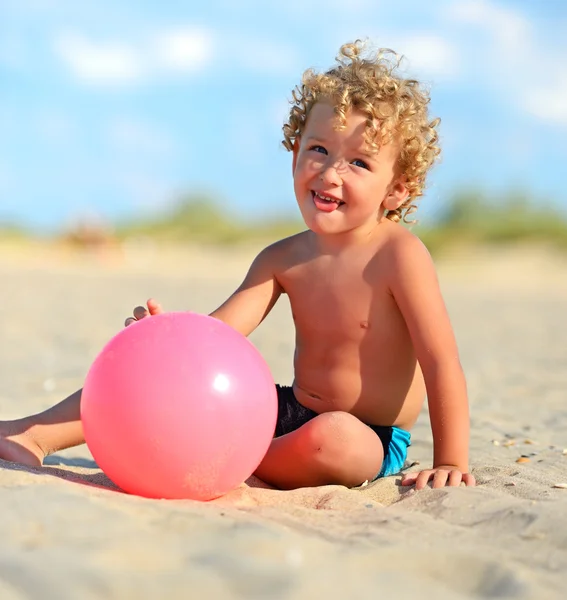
<point x="340" y="440"/>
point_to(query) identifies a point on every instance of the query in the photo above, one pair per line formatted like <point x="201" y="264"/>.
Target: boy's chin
<point x="322" y="227"/>
<point x="323" y="223"/>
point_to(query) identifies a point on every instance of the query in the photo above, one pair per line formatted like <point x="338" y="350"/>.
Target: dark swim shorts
<point x="292" y="415"/>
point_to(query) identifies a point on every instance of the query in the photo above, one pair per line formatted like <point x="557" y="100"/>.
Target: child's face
<point x="339" y="184"/>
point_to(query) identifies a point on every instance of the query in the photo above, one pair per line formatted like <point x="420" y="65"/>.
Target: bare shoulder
<point x="406" y="252"/>
<point x="289" y="244"/>
<point x="285" y="251"/>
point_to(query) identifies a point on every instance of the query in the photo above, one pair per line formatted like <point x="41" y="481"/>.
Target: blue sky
<point x="114" y="108"/>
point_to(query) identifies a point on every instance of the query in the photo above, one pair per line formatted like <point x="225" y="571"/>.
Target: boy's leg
<point x="332" y="448"/>
<point x="29" y="440"/>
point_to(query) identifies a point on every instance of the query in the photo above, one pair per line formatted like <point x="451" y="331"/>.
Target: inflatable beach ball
<point x="179" y="405"/>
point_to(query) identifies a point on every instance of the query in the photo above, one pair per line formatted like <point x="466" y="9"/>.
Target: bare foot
<point x="19" y="447"/>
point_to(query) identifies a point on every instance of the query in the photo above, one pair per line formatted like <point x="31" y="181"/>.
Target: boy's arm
<point x="255" y="297"/>
<point x="415" y="288"/>
<point x="248" y="306"/>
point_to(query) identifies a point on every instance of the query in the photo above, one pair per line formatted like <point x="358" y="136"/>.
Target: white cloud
<point x="548" y="98"/>
<point x="426" y="54"/>
<point x="114" y="63"/>
<point x="170" y="53"/>
<point x="549" y="103"/>
<point x="183" y="50"/>
<point x="530" y="69"/>
<point x="259" y="54"/>
<point x="509" y="27"/>
<point x="100" y="63"/>
<point x="430" y="55"/>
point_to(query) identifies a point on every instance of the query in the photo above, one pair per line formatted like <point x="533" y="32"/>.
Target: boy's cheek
<point x="309" y="167"/>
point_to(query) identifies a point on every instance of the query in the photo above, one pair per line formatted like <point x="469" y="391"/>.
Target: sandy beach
<point x="67" y="533"/>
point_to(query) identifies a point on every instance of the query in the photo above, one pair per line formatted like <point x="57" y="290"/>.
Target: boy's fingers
<point x="423" y="479"/>
<point x="409" y="479"/>
<point x="140" y="312"/>
<point x="154" y="307"/>
<point x="440" y="478"/>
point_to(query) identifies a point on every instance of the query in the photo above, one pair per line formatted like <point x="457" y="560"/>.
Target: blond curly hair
<point x="373" y="86"/>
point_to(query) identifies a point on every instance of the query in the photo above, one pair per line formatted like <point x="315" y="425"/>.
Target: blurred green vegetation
<point x="475" y="218"/>
<point x="468" y="218"/>
<point x="204" y="219"/>
<point x="11" y="232"/>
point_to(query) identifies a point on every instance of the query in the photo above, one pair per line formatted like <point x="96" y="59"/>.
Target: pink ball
<point x="179" y="405"/>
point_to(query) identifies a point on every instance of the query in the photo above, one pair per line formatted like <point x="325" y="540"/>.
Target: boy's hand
<point x="441" y="476"/>
<point x="140" y="312"/>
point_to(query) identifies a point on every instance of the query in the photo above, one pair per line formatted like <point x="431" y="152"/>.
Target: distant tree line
<point x="469" y="217"/>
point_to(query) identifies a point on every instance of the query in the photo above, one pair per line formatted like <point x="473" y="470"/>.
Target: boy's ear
<point x="397" y="195"/>
<point x="295" y="151"/>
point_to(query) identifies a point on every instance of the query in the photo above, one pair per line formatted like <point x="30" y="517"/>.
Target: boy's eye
<point x="360" y="163"/>
<point x="317" y="148"/>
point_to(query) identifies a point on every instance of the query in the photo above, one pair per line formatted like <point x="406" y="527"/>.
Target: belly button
<point x="364" y="325"/>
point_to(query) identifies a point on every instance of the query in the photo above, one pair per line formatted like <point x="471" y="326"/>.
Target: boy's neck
<point x="337" y="243"/>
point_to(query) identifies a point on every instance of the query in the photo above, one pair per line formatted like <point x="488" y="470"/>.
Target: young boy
<point x="372" y="331"/>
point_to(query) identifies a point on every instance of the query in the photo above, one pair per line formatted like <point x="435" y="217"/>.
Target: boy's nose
<point x="330" y="175"/>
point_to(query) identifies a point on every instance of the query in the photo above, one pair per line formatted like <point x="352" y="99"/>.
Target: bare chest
<point x="336" y="300"/>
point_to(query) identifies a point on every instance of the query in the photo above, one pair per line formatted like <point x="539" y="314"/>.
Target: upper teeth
<point x="325" y="197"/>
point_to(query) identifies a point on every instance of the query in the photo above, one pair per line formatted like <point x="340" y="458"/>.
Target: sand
<point x="66" y="532"/>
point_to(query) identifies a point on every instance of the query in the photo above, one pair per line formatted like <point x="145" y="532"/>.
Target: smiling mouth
<point x="326" y="199"/>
